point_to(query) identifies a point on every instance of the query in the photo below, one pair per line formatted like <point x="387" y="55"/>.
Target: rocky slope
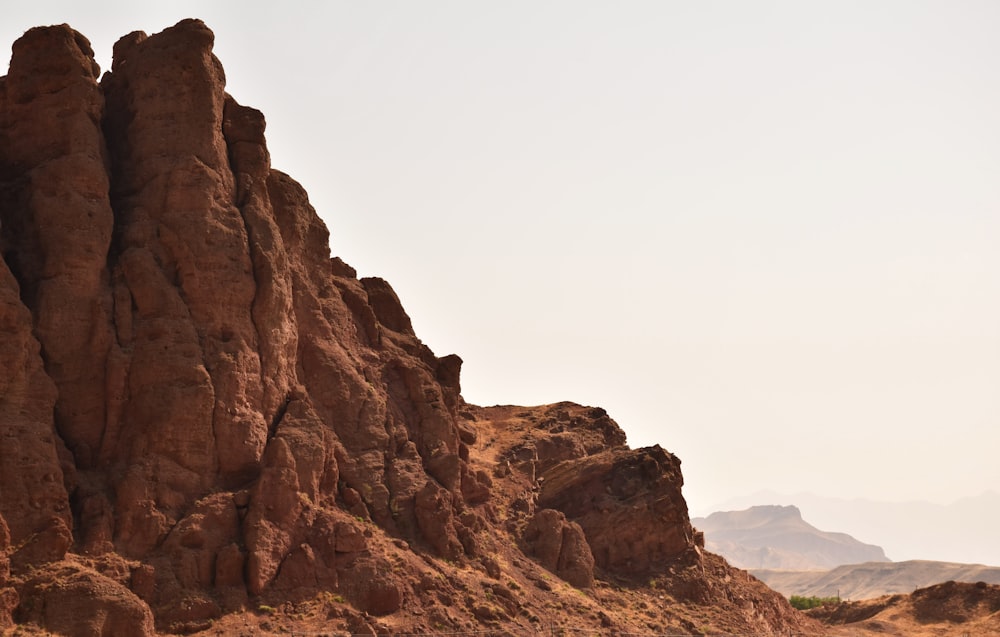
<point x="949" y="608"/>
<point x="207" y="419"/>
<point x="776" y="537"/>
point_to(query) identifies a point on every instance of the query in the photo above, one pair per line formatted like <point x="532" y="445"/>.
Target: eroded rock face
<point x="201" y="411"/>
<point x="194" y="415"/>
<point x="561" y="547"/>
<point x="57" y="220"/>
<point x="33" y="498"/>
<point x="72" y="600"/>
<point x="172" y="301"/>
<point x="630" y="507"/>
<point x="575" y="464"/>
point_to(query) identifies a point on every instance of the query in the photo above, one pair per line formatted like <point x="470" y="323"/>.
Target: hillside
<point x="776" y="537"/>
<point x="874" y="579"/>
<point x="949" y="608"/>
<point x="209" y="423"/>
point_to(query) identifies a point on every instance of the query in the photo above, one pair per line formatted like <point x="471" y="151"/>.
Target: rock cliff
<point x="205" y="416"/>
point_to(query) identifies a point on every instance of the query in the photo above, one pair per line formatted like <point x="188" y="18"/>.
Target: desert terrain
<point x="213" y="426"/>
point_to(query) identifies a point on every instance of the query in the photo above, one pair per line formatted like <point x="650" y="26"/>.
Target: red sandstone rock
<point x="195" y="416"/>
<point x="629" y="505"/>
<point x="561" y="547"/>
<point x="59" y="228"/>
<point x="435" y="519"/>
<point x="69" y="599"/>
<point x="33" y="500"/>
<point x="202" y="404"/>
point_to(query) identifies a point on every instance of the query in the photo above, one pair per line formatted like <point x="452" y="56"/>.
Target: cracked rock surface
<point x="203" y="414"/>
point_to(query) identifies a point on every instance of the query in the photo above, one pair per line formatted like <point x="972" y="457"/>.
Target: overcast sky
<point x="763" y="235"/>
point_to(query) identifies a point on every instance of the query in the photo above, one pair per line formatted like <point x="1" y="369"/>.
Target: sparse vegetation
<point x="805" y="603"/>
<point x="331" y="597"/>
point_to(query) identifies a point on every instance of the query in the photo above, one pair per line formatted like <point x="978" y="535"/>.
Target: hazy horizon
<point x="960" y="531"/>
<point x="738" y="501"/>
<point x="762" y="235"/>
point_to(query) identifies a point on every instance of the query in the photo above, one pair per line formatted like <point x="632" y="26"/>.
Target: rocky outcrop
<point x="204" y="414"/>
<point x="173" y="301"/>
<point x="57" y="221"/>
<point x="55" y="227"/>
<point x="33" y="498"/>
<point x="630" y="507"/>
<point x="73" y="600"/>
<point x="578" y="473"/>
<point x="561" y="547"/>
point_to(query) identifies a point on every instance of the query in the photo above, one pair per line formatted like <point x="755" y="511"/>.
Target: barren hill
<point x="874" y="579"/>
<point x="207" y="421"/>
<point x="776" y="537"/>
<point x="949" y="608"/>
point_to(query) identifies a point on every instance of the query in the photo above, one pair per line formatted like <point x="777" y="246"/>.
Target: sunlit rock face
<point x="201" y="411"/>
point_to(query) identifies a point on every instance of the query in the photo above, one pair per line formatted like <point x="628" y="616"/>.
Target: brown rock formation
<point x="203" y="413"/>
<point x="561" y="547"/>
<point x="580" y="474"/>
<point x="630" y="506"/>
<point x="73" y="600"/>
<point x="33" y="500"/>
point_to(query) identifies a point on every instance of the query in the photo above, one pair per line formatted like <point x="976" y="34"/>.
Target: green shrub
<point x="805" y="603"/>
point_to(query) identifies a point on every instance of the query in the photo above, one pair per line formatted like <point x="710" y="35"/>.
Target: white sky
<point x="761" y="234"/>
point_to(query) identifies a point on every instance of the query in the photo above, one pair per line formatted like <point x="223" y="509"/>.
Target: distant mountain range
<point x="964" y="531"/>
<point x="776" y="537"/>
<point x="794" y="557"/>
<point x="865" y="581"/>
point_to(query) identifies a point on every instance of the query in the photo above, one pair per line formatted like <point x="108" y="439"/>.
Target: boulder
<point x="629" y="505"/>
<point x="73" y="600"/>
<point x="561" y="547"/>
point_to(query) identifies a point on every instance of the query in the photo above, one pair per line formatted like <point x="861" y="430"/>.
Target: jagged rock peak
<point x="203" y="412"/>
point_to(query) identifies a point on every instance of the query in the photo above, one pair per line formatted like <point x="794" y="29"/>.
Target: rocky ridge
<point x="206" y="417"/>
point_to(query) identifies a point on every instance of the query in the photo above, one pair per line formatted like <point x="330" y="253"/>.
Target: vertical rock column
<point x="184" y="284"/>
<point x="59" y="222"/>
<point x="272" y="306"/>
<point x="55" y="228"/>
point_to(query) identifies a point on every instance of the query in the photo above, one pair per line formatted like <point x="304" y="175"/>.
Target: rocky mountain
<point x="208" y="421"/>
<point x="875" y="579"/>
<point x="962" y="531"/>
<point x="776" y="537"/>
